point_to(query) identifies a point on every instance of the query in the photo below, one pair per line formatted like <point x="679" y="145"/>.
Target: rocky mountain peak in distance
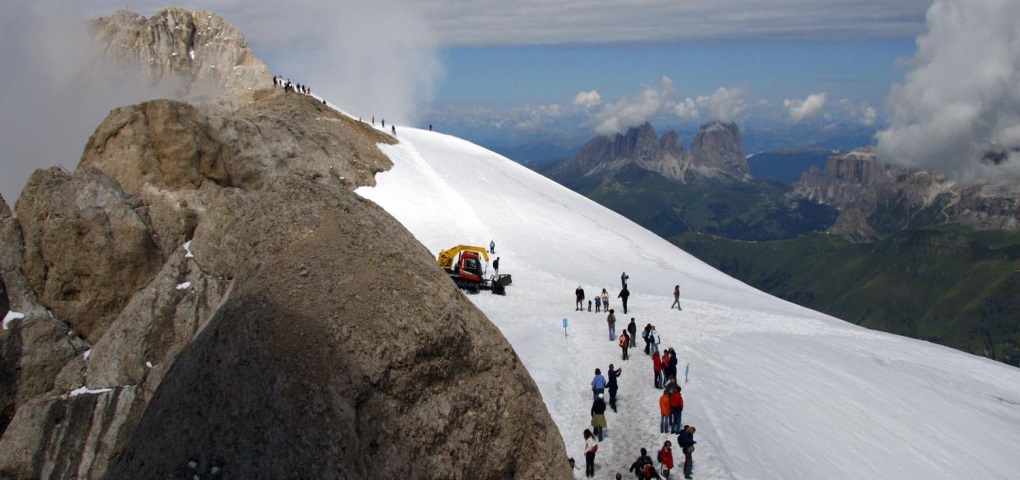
<point x="716" y="153"/>
<point x="189" y="54"/>
<point x="206" y="296"/>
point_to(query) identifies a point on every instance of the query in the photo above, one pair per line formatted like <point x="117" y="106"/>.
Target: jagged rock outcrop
<point x="893" y="198"/>
<point x="190" y="54"/>
<point x="717" y="153"/>
<point x="206" y="287"/>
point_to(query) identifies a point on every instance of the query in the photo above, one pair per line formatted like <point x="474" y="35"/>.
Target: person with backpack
<point x="644" y="336"/>
<point x="579" y="297"/>
<point x="598" y="416"/>
<point x="612" y="386"/>
<point x="611" y="320"/>
<point x="676" y="298"/>
<point x="657" y="369"/>
<point x="638" y="467"/>
<point x="676" y="409"/>
<point x="685" y="440"/>
<point x="665" y="458"/>
<point x="591" y="445"/>
<point x="598" y="303"/>
<point x="623" y="297"/>
<point x="632" y="331"/>
<point x="665" y="413"/>
<point x="625" y="343"/>
<point x="598" y="384"/>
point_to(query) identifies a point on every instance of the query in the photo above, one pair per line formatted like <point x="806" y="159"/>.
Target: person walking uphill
<point x="676" y="298"/>
<point x="612" y="385"/>
<point x="686" y="441"/>
<point x="591" y="445"/>
<point x="579" y="296"/>
<point x="598" y="416"/>
<point x="611" y="320"/>
<point x="623" y="297"/>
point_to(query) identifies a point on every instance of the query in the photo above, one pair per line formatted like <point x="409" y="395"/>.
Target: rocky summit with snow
<point x="289" y="320"/>
<point x="206" y="296"/>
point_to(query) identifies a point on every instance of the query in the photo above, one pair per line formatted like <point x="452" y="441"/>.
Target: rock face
<point x="716" y="153"/>
<point x="192" y="54"/>
<point x="882" y="198"/>
<point x="206" y="289"/>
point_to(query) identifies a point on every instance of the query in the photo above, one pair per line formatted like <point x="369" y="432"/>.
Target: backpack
<point x="623" y="340"/>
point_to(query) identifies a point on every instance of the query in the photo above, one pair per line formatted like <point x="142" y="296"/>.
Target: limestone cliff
<point x="205" y="295"/>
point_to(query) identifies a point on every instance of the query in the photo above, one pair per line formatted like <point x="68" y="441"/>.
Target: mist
<point x="961" y="97"/>
<point x="370" y="58"/>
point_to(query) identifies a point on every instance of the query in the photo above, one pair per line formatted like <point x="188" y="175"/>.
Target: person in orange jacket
<point x="666" y="419"/>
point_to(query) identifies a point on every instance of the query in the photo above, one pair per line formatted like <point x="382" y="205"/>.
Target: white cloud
<point x="588" y="99"/>
<point x="725" y="104"/>
<point x="687" y="109"/>
<point x="799" y="110"/>
<point x="863" y="114"/>
<point x="962" y="96"/>
<point x="626" y="113"/>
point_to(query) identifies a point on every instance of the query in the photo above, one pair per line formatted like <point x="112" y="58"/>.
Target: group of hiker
<point x="671" y="403"/>
<point x="602" y="300"/>
<point x="279" y="81"/>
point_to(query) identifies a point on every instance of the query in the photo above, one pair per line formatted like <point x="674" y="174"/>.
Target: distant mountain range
<point x="905" y="251"/>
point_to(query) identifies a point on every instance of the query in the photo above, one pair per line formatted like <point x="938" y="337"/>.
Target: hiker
<point x="670" y="367"/>
<point x="492" y="246"/>
<point x="495" y="266"/>
<point x="623" y="296"/>
<point x="686" y="441"/>
<point x="394" y="128"/>
<point x="665" y="414"/>
<point x="665" y="458"/>
<point x="598" y="384"/>
<point x="598" y="303"/>
<point x="598" y="416"/>
<point x="430" y="127"/>
<point x="605" y="299"/>
<point x="653" y="340"/>
<point x="638" y="467"/>
<point x="623" y="279"/>
<point x="373" y="120"/>
<point x="383" y="123"/>
<point x="676" y="409"/>
<point x="632" y="329"/>
<point x="625" y="343"/>
<point x="645" y="335"/>
<point x="657" y="368"/>
<point x="676" y="298"/>
<point x="611" y="320"/>
<point x="579" y="296"/>
<point x="590" y="447"/>
<point x="612" y="385"/>
<point x="589" y="307"/>
<point x="664" y="360"/>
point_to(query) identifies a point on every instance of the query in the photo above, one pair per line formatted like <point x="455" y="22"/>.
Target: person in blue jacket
<point x="598" y="384"/>
<point x="686" y="441"/>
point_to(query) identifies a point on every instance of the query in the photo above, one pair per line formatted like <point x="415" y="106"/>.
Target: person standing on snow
<point x="632" y="329"/>
<point x="579" y="296"/>
<point x="605" y="299"/>
<point x="598" y="303"/>
<point x="676" y="410"/>
<point x="625" y="343"/>
<point x="670" y="367"/>
<point x="623" y="296"/>
<point x="591" y="445"/>
<point x="612" y="385"/>
<point x="665" y="457"/>
<point x="623" y="279"/>
<point x="598" y="416"/>
<point x="676" y="298"/>
<point x="686" y="441"/>
<point x="653" y="340"/>
<point x="495" y="266"/>
<point x="657" y="369"/>
<point x="611" y="320"/>
<point x="598" y="384"/>
<point x="492" y="246"/>
<point x="638" y="467"/>
<point x="665" y="414"/>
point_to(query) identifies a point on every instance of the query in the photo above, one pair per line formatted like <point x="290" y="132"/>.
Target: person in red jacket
<point x="676" y="409"/>
<point x="665" y="458"/>
<point x="657" y="368"/>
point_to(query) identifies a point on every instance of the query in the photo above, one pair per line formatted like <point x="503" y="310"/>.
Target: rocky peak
<point x="718" y="146"/>
<point x="191" y="54"/>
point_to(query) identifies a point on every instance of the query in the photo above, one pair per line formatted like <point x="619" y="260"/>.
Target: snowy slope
<point x="776" y="391"/>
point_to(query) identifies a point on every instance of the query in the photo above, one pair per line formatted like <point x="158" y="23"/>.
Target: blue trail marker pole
<point x="564" y="326"/>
